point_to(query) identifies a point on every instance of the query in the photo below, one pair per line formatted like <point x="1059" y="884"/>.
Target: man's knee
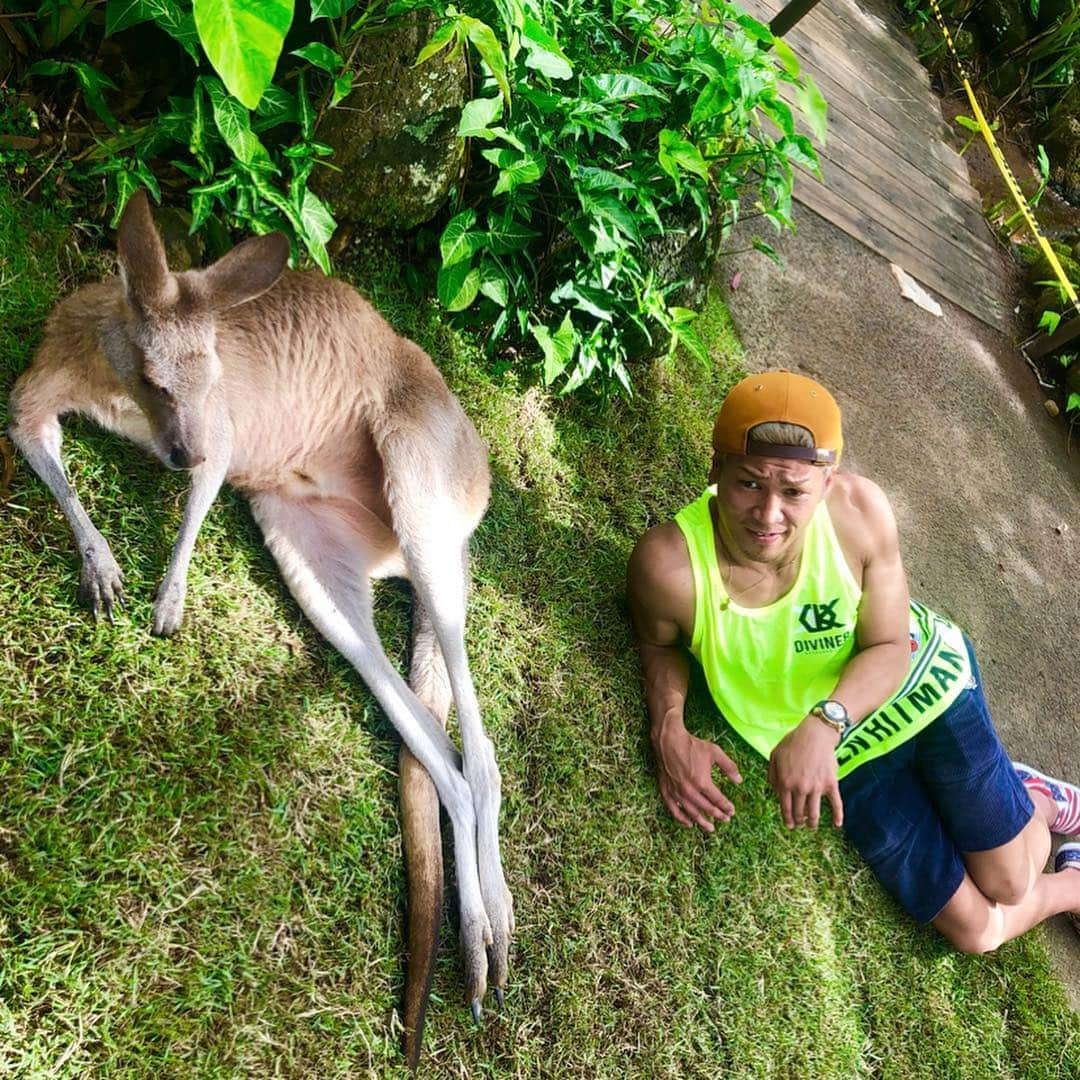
<point x="1005" y="886"/>
<point x="973" y="939"/>
<point x="980" y="933"/>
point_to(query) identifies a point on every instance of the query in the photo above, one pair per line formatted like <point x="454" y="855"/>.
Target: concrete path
<point x="946" y="416"/>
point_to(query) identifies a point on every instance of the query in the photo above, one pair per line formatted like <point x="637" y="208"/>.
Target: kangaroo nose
<point x="182" y="458"/>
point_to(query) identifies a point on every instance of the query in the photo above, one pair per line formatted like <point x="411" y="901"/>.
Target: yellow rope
<point x="1003" y="165"/>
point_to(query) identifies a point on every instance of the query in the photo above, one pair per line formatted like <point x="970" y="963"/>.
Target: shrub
<point x="596" y="129"/>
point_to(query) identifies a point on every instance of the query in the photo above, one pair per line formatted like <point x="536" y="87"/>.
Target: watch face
<point x="834" y="711"/>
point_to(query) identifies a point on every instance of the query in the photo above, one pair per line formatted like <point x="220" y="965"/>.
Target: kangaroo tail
<point x="424" y="869"/>
<point x="421" y="838"/>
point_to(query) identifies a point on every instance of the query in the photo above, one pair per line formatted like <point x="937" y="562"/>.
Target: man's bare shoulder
<point x="660" y="581"/>
<point x="861" y="515"/>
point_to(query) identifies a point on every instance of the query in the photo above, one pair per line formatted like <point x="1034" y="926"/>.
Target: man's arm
<point x="802" y="767"/>
<point x="660" y="588"/>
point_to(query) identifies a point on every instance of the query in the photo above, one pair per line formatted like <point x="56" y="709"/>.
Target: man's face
<point x="764" y="504"/>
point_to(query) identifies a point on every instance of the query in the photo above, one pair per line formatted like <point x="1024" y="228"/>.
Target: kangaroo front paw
<point x="101" y="582"/>
<point x="169" y="607"/>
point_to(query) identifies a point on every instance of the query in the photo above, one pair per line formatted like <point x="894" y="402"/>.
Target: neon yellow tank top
<point x="767" y="667"/>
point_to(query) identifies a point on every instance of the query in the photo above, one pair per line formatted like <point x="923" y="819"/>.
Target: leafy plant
<point x="596" y="130"/>
<point x="212" y="138"/>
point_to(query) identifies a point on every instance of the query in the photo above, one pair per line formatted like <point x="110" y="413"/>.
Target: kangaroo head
<point x="162" y="342"/>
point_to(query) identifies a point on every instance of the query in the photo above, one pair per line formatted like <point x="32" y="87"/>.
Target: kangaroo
<point x="358" y="463"/>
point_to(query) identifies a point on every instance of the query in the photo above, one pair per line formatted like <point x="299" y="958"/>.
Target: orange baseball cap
<point x="780" y="397"/>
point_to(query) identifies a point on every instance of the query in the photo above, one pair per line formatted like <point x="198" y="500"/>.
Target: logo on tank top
<point x="817" y="618"/>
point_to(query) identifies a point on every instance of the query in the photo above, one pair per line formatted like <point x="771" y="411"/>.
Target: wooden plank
<point x="915" y="188"/>
<point x="869" y="61"/>
<point x="960" y="200"/>
<point x="896" y="102"/>
<point x="855" y="99"/>
<point x="855" y="16"/>
<point x="923" y="150"/>
<point x="946" y="254"/>
<point x="855" y="222"/>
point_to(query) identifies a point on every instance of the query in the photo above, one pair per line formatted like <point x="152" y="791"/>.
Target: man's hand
<point x="802" y="770"/>
<point x="685" y="778"/>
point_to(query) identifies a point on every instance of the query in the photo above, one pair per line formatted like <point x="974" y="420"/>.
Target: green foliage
<point x="596" y="130"/>
<point x="242" y="146"/>
<point x="243" y="39"/>
<point x="1047" y="58"/>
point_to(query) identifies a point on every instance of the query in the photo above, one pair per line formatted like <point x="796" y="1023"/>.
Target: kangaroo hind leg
<point x="320" y="549"/>
<point x="433" y="516"/>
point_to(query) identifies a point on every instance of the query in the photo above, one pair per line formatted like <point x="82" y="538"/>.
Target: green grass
<point x="200" y="868"/>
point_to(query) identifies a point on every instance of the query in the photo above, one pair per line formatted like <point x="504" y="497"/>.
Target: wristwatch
<point x="834" y="714"/>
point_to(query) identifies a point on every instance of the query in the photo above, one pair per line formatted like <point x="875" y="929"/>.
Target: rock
<point x="1051" y="406"/>
<point x="7" y="56"/>
<point x="1061" y="137"/>
<point x="1050" y="11"/>
<point x="682" y="254"/>
<point x="1002" y="27"/>
<point x="1039" y="269"/>
<point x="395" y="135"/>
<point x="184" y="252"/>
<point x="1072" y="378"/>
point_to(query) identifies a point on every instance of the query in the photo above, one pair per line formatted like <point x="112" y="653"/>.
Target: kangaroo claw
<point x="499" y="998"/>
<point x="477" y="1011"/>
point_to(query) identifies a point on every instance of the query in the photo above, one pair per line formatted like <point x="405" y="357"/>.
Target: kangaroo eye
<point x="153" y="386"/>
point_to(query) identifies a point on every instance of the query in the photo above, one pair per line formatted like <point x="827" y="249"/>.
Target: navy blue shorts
<point x="949" y="789"/>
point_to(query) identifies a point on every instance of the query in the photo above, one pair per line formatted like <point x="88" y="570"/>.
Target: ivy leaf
<point x="317" y="226"/>
<point x="558" y="348"/>
<point x="234" y="126"/>
<point x="120" y="14"/>
<point x="493" y="283"/>
<point x="621" y="87"/>
<point x="439" y="40"/>
<point x="1049" y="321"/>
<point x="678" y="153"/>
<point x="171" y="16"/>
<point x="243" y="40"/>
<point x="814" y="108"/>
<point x="515" y="168"/>
<point x="304" y="109"/>
<point x="786" y="55"/>
<point x="509" y="236"/>
<point x="342" y="87"/>
<point x="457" y="242"/>
<point x="800" y="151"/>
<point x="542" y="51"/>
<point x="331" y="9"/>
<point x="457" y="286"/>
<point x="277" y="106"/>
<point x="1073" y="402"/>
<point x="483" y="39"/>
<point x="322" y="56"/>
<point x="478" y="115"/>
<point x="967" y="122"/>
<point x="1044" y="163"/>
<point x="767" y="250"/>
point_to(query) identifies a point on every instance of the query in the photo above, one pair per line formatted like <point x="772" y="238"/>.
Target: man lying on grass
<point x="785" y="581"/>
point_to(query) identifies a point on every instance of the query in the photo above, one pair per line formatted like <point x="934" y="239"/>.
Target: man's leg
<point x="974" y="922"/>
<point x="1007" y="874"/>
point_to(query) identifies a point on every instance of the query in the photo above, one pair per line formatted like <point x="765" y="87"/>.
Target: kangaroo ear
<point x="147" y="281"/>
<point x="247" y="271"/>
